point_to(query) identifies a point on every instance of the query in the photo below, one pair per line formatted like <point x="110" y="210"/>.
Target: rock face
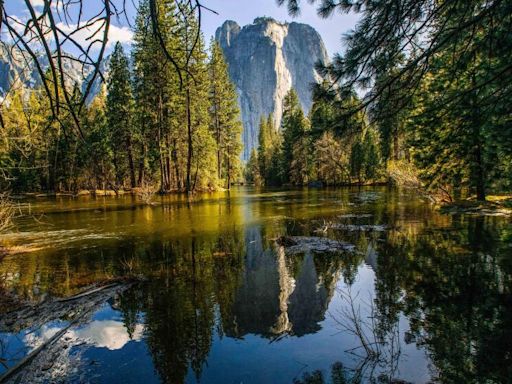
<point x="265" y="60"/>
<point x="15" y="72"/>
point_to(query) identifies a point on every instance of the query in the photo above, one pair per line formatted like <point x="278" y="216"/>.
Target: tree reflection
<point x="454" y="285"/>
<point x="448" y="278"/>
<point x="232" y="285"/>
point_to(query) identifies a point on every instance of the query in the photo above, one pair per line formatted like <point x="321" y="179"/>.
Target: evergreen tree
<point x="373" y="163"/>
<point x="264" y="148"/>
<point x="119" y="111"/>
<point x="332" y="161"/>
<point x="252" y="172"/>
<point x="225" y="122"/>
<point x="98" y="147"/>
<point x="201" y="154"/>
<point x="294" y="126"/>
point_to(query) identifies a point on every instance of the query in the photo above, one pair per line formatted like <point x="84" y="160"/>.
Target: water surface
<point x="424" y="298"/>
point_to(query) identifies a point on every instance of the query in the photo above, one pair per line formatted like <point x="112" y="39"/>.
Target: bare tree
<point x="43" y="39"/>
<point x="379" y="351"/>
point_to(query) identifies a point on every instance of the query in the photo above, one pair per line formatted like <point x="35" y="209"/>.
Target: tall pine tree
<point x="119" y="108"/>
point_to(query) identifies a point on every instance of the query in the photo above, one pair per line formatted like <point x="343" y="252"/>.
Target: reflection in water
<point x="108" y="334"/>
<point x="278" y="294"/>
<point x="222" y="303"/>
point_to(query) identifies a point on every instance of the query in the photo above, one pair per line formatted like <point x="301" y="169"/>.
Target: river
<point x="424" y="296"/>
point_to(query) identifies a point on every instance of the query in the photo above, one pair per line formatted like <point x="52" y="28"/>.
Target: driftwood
<point x="27" y="359"/>
<point x="74" y="308"/>
<point x="34" y="316"/>
<point x="87" y="293"/>
<point x="299" y="244"/>
<point x="359" y="228"/>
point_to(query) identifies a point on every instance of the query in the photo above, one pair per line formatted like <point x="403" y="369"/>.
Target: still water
<point x="424" y="297"/>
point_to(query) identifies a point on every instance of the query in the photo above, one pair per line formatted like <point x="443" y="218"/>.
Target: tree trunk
<point x="189" y="142"/>
<point x="217" y="124"/>
<point x="54" y="181"/>
<point x="159" y="138"/>
<point x="168" y="162"/>
<point x="396" y="146"/>
<point x="229" y="172"/>
<point x="130" y="162"/>
<point x="478" y="171"/>
<point x="176" y="166"/>
<point x="141" y="165"/>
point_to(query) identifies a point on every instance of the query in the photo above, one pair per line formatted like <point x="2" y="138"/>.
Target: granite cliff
<point x="265" y="60"/>
<point x="16" y="72"/>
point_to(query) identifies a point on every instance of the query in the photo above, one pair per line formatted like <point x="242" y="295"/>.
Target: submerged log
<point x="74" y="309"/>
<point x="34" y="316"/>
<point x="299" y="244"/>
<point x="359" y="228"/>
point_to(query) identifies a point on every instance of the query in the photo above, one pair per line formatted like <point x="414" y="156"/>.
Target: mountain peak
<point x="227" y="32"/>
<point x="265" y="20"/>
<point x="266" y="59"/>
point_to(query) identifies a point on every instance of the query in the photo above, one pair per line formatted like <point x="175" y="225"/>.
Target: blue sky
<point x="245" y="11"/>
<point x="241" y="11"/>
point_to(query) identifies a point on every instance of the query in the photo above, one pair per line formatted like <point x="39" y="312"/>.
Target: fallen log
<point x="75" y="308"/>
<point x="299" y="244"/>
<point x="27" y="359"/>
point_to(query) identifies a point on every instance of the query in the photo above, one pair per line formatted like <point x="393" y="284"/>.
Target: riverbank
<point x="496" y="205"/>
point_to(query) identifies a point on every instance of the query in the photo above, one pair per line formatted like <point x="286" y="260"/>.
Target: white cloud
<point x="37" y="338"/>
<point x="83" y="36"/>
<point x="37" y="3"/>
<point x="122" y="34"/>
<point x="108" y="334"/>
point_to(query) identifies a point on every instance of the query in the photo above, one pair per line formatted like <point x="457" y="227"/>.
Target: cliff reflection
<point x="244" y="286"/>
<point x="278" y="293"/>
<point x="219" y="296"/>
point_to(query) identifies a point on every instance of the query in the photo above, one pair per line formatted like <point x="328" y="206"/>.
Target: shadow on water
<point x="428" y="299"/>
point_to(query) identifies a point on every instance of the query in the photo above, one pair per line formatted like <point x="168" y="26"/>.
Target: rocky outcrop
<point x="19" y="71"/>
<point x="265" y="60"/>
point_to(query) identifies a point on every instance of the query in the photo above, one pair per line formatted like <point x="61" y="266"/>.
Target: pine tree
<point x="264" y="148"/>
<point x="252" y="169"/>
<point x="157" y="94"/>
<point x="98" y="147"/>
<point x="225" y="122"/>
<point x="373" y="163"/>
<point x="332" y="161"/>
<point x="119" y="111"/>
<point x="294" y="126"/>
<point x="201" y="154"/>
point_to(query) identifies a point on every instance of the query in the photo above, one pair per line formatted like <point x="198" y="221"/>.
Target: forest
<point x="425" y="105"/>
<point x="146" y="129"/>
<point x="367" y="239"/>
<point x="435" y="115"/>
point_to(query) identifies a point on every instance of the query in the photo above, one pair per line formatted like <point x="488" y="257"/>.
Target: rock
<point x="106" y="192"/>
<point x="265" y="60"/>
<point x="315" y="184"/>
<point x="15" y="72"/>
<point x="299" y="244"/>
